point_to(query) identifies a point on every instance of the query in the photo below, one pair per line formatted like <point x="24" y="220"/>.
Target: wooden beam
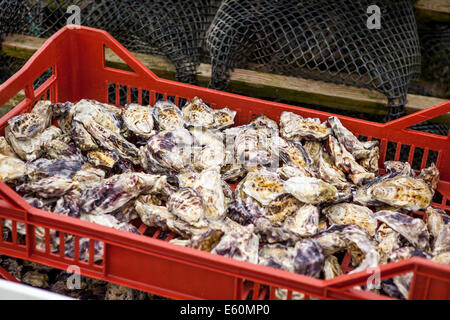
<point x="436" y="10"/>
<point x="255" y="83"/>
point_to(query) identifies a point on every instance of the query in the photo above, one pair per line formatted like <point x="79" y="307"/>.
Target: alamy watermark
<point x="75" y="16"/>
<point x="74" y="281"/>
<point x="374" y="20"/>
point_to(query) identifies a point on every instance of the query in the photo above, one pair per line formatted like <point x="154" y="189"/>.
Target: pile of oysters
<point x="292" y="195"/>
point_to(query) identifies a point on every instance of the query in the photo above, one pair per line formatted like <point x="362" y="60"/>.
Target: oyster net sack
<point x="322" y="40"/>
<point x="174" y="28"/>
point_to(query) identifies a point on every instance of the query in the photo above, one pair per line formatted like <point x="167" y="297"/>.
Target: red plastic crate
<point x="76" y="57"/>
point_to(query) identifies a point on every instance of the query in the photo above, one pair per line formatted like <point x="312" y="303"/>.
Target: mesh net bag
<point x="322" y="40"/>
<point x="174" y="28"/>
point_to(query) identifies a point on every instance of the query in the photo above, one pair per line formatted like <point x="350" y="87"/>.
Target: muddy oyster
<point x="351" y="238"/>
<point x="208" y="149"/>
<point x="398" y="191"/>
<point x="295" y="127"/>
<point x="310" y="190"/>
<point x="167" y="151"/>
<point x="345" y="161"/>
<point x="198" y="114"/>
<point x="349" y="213"/>
<point x="412" y="229"/>
<point x="115" y="192"/>
<point x="139" y="120"/>
<point x="263" y="186"/>
<point x="167" y="115"/>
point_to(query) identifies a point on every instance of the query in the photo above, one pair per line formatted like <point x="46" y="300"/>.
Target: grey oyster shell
<point x="310" y="190"/>
<point x="51" y="187"/>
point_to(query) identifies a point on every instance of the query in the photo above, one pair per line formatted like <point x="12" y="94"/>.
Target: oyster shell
<point x="223" y="118"/>
<point x="305" y="258"/>
<point x="198" y="114"/>
<point x="238" y="242"/>
<point x="207" y="240"/>
<point x="139" y="120"/>
<point x="208" y="149"/>
<point x="359" y="150"/>
<point x="431" y="176"/>
<point x="57" y="145"/>
<point x="436" y="219"/>
<point x="344" y="237"/>
<point x="28" y="149"/>
<point x="116" y="292"/>
<point x="28" y="125"/>
<point x="81" y="137"/>
<point x="283" y="206"/>
<point x="331" y="268"/>
<point x="388" y="241"/>
<point x="442" y="241"/>
<point x="346" y="162"/>
<point x="13" y="170"/>
<point x="6" y="149"/>
<point x="292" y="154"/>
<point x="310" y="190"/>
<point x="51" y="187"/>
<point x="349" y="213"/>
<point x="266" y="124"/>
<point x="399" y="191"/>
<point x="313" y="149"/>
<point x="295" y="127"/>
<point x="167" y="151"/>
<point x="102" y="158"/>
<point x="105" y="116"/>
<point x="167" y="115"/>
<point x="252" y="147"/>
<point x="328" y="172"/>
<point x="304" y="222"/>
<point x="69" y="204"/>
<point x="115" y="192"/>
<point x="412" y="229"/>
<point x="263" y="186"/>
<point x="287" y="172"/>
<point x="51" y="168"/>
<point x="188" y="205"/>
<point x="112" y="141"/>
<point x="400" y="168"/>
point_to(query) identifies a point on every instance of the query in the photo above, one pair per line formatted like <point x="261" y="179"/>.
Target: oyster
<point x="81" y="137"/>
<point x="57" y="145"/>
<point x="287" y="172"/>
<point x="310" y="190"/>
<point x="413" y="230"/>
<point x="263" y="186"/>
<point x="313" y="149"/>
<point x="371" y="162"/>
<point x="69" y="204"/>
<point x="27" y="149"/>
<point x="291" y="153"/>
<point x="431" y="176"/>
<point x="346" y="162"/>
<point x="116" y="292"/>
<point x="306" y="257"/>
<point x="28" y="125"/>
<point x="188" y="205"/>
<point x="238" y="242"/>
<point x="5" y="148"/>
<point x="102" y="159"/>
<point x="208" y="149"/>
<point x="36" y="279"/>
<point x="266" y="124"/>
<point x="223" y="118"/>
<point x="108" y="220"/>
<point x="115" y="192"/>
<point x="52" y="168"/>
<point x="167" y="115"/>
<point x="349" y="213"/>
<point x="304" y="222"/>
<point x="252" y="147"/>
<point x="328" y="172"/>
<point x="295" y="127"/>
<point x="331" y="268"/>
<point x="347" y="237"/>
<point x="400" y="168"/>
<point x="112" y="141"/>
<point x="13" y="170"/>
<point x="399" y="191"/>
<point x="198" y="114"/>
<point x="388" y="241"/>
<point x="359" y="150"/>
<point x="442" y="241"/>
<point x="105" y="116"/>
<point x="207" y="240"/>
<point x="436" y="219"/>
<point x="283" y="206"/>
<point x="51" y="187"/>
<point x="139" y="120"/>
<point x="167" y="151"/>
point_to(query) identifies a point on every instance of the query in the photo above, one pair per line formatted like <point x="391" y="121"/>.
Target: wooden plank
<point x="255" y="83"/>
<point x="437" y="10"/>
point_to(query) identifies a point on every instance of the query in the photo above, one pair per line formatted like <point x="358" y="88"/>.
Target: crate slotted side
<point x="78" y="71"/>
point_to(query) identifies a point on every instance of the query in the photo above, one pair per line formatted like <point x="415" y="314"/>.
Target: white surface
<point x="17" y="291"/>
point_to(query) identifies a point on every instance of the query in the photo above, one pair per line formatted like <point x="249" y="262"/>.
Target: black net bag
<point x="322" y="40"/>
<point x="174" y="28"/>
